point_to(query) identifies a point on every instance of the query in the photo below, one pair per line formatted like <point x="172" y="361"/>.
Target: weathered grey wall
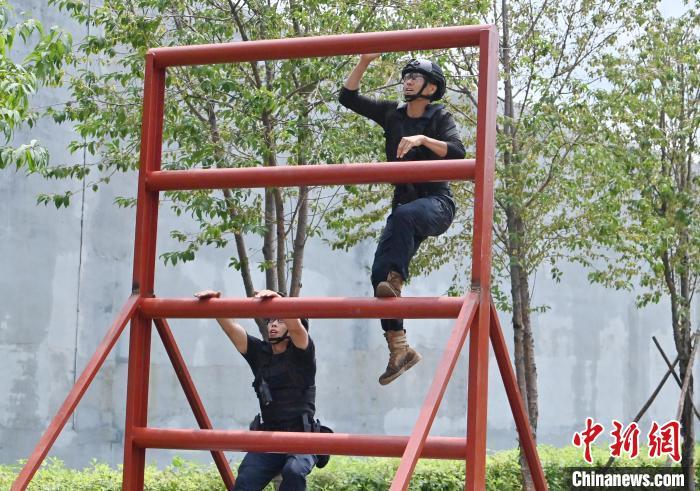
<point x="66" y="274"/>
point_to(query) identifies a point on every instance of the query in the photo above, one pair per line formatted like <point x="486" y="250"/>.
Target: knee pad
<point x="294" y="471"/>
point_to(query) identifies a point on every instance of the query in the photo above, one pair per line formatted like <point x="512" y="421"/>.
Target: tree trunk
<point x="243" y="260"/>
<point x="281" y="265"/>
<point x="241" y="250"/>
<point x="524" y="349"/>
<point x="269" y="238"/>
<point x="680" y="320"/>
<point x="687" y="419"/>
<point x="302" y="213"/>
<point x="688" y="431"/>
<point x="299" y="241"/>
<point x="687" y="416"/>
<point x="677" y="278"/>
<point x="529" y="350"/>
<point x="525" y="369"/>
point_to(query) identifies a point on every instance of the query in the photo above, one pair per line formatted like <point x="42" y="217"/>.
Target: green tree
<point x="648" y="164"/>
<point x="231" y="115"/>
<point x="19" y="80"/>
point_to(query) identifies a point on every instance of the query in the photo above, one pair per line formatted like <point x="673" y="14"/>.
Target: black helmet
<point x="431" y="71"/>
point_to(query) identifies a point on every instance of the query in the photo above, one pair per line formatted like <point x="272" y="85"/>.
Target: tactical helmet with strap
<point x="432" y="73"/>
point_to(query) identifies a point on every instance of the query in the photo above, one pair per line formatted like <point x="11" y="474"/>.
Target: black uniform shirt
<point x="396" y="123"/>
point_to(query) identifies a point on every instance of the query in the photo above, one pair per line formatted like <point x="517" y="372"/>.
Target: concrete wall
<point x="66" y="274"/>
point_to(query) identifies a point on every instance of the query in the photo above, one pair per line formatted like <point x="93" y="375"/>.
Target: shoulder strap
<point x="433" y="112"/>
<point x="263" y="361"/>
<point x="435" y="115"/>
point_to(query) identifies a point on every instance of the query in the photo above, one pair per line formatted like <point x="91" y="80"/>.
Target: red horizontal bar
<point x="310" y="47"/>
<point x="282" y="442"/>
<point x="309" y="307"/>
<point x="310" y="175"/>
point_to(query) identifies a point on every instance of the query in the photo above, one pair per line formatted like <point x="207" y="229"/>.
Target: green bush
<point x="342" y="473"/>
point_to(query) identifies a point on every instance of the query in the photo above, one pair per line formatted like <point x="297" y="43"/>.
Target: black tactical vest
<point x="397" y="126"/>
<point x="290" y="394"/>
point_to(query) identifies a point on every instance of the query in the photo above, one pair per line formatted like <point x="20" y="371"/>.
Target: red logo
<point x="587" y="437"/>
<point x="627" y="440"/>
<point x="664" y="440"/>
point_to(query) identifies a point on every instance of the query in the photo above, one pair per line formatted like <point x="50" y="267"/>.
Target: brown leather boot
<point x="401" y="356"/>
<point x="391" y="287"/>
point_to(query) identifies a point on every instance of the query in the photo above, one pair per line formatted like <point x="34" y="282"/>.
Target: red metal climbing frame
<point x="474" y="312"/>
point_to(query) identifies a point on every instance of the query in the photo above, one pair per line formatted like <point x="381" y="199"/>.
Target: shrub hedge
<point x="342" y="473"/>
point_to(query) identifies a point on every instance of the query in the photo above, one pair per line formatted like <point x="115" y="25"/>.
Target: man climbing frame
<point x="285" y="373"/>
<point x="416" y="130"/>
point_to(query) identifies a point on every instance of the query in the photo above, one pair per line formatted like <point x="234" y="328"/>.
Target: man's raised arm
<point x="235" y="332"/>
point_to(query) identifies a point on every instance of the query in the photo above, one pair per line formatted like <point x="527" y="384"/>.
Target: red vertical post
<point x="477" y="397"/>
<point x="144" y="267"/>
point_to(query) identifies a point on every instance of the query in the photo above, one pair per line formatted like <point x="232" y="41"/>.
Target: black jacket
<point x="435" y="123"/>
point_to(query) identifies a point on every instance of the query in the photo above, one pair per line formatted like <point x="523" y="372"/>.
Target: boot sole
<point x="408" y="365"/>
<point x="386" y="291"/>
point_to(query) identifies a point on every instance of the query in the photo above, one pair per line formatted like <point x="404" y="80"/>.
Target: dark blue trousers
<point x="258" y="469"/>
<point x="406" y="228"/>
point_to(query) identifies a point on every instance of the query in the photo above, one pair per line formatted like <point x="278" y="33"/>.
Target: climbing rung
<point x="309" y="307"/>
<point x="289" y="442"/>
<point x="312" y="175"/>
<point x="307" y="47"/>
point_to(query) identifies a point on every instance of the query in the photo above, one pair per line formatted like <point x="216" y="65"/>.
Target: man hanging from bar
<point x="284" y="367"/>
<point x="416" y="130"/>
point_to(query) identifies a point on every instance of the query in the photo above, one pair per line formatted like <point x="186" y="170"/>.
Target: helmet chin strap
<point x="419" y="95"/>
<point x="279" y="339"/>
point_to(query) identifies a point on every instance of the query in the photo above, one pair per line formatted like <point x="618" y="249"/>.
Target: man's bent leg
<point x="257" y="470"/>
<point x="381" y="267"/>
<point x="406" y="228"/>
<point x="424" y="217"/>
<point x="295" y="470"/>
<point x="382" y="263"/>
<point x="385" y="265"/>
<point x="410" y="224"/>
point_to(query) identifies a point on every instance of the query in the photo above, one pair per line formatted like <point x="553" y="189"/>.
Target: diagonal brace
<point x="522" y="423"/>
<point x="443" y="373"/>
<point x="672" y="371"/>
<point x="75" y="395"/>
<point x="649" y="402"/>
<point x="200" y="414"/>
